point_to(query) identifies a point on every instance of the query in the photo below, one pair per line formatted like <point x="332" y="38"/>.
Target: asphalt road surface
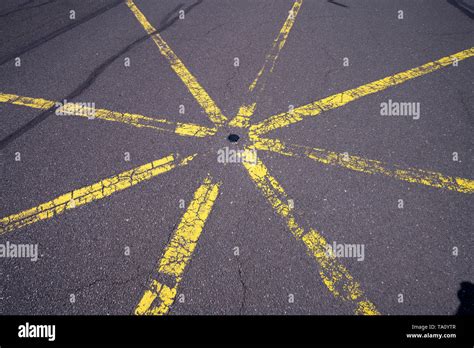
<point x="191" y="235"/>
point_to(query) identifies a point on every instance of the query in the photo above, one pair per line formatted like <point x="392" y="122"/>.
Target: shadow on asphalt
<point x="337" y="3"/>
<point x="465" y="8"/>
<point x="466" y="299"/>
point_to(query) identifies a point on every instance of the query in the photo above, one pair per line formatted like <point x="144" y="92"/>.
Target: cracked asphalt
<point x="408" y="251"/>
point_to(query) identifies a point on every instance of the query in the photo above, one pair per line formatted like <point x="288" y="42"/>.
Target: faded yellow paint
<point x="139" y="121"/>
<point x="333" y="274"/>
<point x="337" y="100"/>
<point x="368" y="166"/>
<point x="179" y="251"/>
<point x="242" y="119"/>
<point x="91" y="193"/>
<point x="201" y="96"/>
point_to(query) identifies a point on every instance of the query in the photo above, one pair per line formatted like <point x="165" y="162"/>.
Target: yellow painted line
<point x="368" y="166"/>
<point x="337" y="100"/>
<point x="139" y="121"/>
<point x="201" y="96"/>
<point x="333" y="274"/>
<point x="91" y="193"/>
<point x="242" y="120"/>
<point x="159" y="297"/>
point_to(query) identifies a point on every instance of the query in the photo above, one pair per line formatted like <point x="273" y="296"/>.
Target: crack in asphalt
<point x="110" y="282"/>
<point x="228" y="83"/>
<point x="244" y="287"/>
<point x="328" y="72"/>
<point x="337" y="3"/>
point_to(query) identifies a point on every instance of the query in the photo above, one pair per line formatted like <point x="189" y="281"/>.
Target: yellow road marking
<point x="337" y="100"/>
<point x="184" y="129"/>
<point x="334" y="275"/>
<point x="201" y="96"/>
<point x="91" y="193"/>
<point x="242" y="119"/>
<point x="36" y="103"/>
<point x="159" y="297"/>
<point x="368" y="166"/>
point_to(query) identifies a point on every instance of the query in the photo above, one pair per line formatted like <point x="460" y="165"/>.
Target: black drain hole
<point x="233" y="138"/>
